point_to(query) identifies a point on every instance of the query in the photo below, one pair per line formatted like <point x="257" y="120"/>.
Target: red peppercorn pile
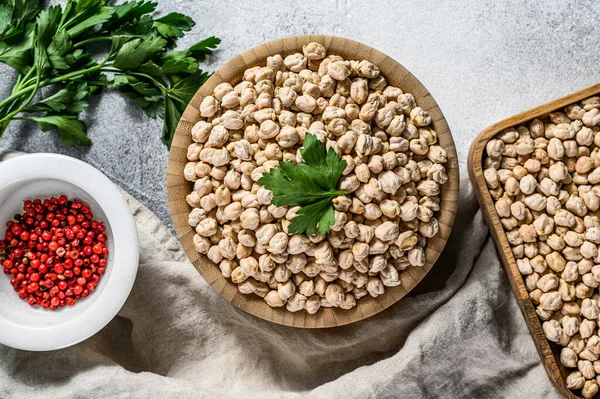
<point x="55" y="252"/>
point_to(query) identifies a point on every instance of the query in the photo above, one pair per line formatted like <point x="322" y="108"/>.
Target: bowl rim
<point x="232" y="72"/>
<point x="125" y="253"/>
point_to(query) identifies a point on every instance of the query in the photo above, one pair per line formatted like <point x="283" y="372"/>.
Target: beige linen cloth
<point x="460" y="334"/>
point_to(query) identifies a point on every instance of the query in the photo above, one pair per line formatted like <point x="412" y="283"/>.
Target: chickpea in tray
<point x="383" y="196"/>
<point x="544" y="179"/>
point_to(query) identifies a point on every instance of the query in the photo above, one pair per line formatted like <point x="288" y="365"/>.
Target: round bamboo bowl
<point x="178" y="187"/>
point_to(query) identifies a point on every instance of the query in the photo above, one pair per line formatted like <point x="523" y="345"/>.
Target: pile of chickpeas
<point x="394" y="174"/>
<point x="544" y="178"/>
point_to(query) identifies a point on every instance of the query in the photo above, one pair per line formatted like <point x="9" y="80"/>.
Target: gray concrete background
<point x="482" y="61"/>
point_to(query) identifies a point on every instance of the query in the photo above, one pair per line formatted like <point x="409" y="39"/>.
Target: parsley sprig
<point x="311" y="185"/>
<point x="56" y="48"/>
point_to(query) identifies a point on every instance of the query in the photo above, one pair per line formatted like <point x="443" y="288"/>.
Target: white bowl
<point x="44" y="176"/>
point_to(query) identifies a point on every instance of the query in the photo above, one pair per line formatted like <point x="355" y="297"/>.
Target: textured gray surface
<point x="482" y="61"/>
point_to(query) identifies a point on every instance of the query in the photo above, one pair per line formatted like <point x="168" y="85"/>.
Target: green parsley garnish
<point x="311" y="185"/>
<point x="58" y="48"/>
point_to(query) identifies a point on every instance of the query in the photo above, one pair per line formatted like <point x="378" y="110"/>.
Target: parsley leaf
<point x="15" y="18"/>
<point x="173" y="25"/>
<point x="172" y="114"/>
<point x="18" y="55"/>
<point x="319" y="216"/>
<point x="68" y="100"/>
<point x="186" y="88"/>
<point x="204" y="48"/>
<point x="72" y="130"/>
<point x="5" y="18"/>
<point x="311" y="185"/>
<point x="102" y="15"/>
<point x="57" y="50"/>
<point x="140" y="92"/>
<point x="137" y="51"/>
<point x="129" y="11"/>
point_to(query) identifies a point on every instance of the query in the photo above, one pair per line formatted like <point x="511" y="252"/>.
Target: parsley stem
<point x="176" y="97"/>
<point x="38" y="77"/>
<point x="63" y="24"/>
<point x="28" y="100"/>
<point x="32" y="89"/>
<point x="64" y="16"/>
<point x="160" y="85"/>
<point x="98" y="82"/>
<point x="15" y="96"/>
<point x="92" y="40"/>
<point x="58" y="79"/>
<point x="24" y="79"/>
<point x="19" y="79"/>
<point x="4" y="111"/>
<point x="76" y="74"/>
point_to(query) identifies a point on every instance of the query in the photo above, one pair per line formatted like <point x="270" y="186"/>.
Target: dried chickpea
<point x="394" y="172"/>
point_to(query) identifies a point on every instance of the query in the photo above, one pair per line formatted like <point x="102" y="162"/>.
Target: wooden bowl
<point x="549" y="352"/>
<point x="178" y="187"/>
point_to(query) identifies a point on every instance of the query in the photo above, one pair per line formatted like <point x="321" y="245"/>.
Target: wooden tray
<point x="549" y="353"/>
<point x="178" y="187"/>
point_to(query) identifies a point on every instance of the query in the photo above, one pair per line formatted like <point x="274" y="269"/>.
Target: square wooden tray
<point x="549" y="353"/>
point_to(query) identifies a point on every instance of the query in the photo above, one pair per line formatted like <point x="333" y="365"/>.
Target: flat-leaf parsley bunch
<point x="56" y="48"/>
<point x="311" y="185"/>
